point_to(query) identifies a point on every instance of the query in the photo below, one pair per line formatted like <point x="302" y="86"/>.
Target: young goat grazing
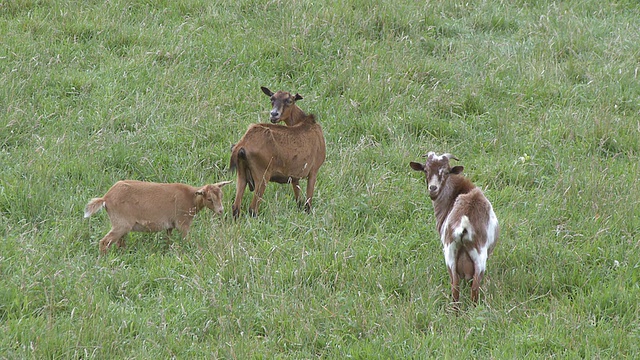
<point x="465" y="219"/>
<point x="275" y="153"/>
<point x="150" y="207"/>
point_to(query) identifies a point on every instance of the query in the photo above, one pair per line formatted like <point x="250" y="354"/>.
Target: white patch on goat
<point x="451" y="254"/>
<point x="492" y="227"/>
<point x="443" y="231"/>
<point x="479" y="259"/>
<point x="450" y="249"/>
<point x="459" y="231"/>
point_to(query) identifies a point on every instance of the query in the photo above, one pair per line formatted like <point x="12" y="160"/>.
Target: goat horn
<point x="449" y="156"/>
<point x="222" y="183"/>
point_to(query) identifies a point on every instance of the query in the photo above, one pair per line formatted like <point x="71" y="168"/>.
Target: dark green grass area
<point x="540" y="101"/>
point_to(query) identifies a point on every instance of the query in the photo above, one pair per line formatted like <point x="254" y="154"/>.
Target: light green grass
<point x="540" y="101"/>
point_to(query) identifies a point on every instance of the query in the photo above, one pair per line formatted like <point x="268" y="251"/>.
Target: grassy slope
<point x="540" y="102"/>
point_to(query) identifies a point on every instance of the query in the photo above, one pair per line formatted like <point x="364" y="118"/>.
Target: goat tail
<point x="242" y="154"/>
<point x="464" y="230"/>
<point x="233" y="162"/>
<point x="93" y="206"/>
<point x="235" y="155"/>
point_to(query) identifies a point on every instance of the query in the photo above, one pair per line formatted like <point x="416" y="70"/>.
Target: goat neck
<point x="199" y="205"/>
<point x="296" y="116"/>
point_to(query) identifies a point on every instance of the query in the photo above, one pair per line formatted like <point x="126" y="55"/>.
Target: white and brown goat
<point x="465" y="219"/>
<point x="151" y="207"/>
<point x="275" y="153"/>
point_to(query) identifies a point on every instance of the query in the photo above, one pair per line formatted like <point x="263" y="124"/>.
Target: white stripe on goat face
<point x="435" y="181"/>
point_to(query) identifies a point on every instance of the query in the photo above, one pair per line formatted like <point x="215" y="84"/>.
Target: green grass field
<point x="539" y="100"/>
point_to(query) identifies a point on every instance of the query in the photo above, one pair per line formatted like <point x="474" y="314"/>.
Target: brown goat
<point x="465" y="219"/>
<point x="150" y="207"/>
<point x="282" y="154"/>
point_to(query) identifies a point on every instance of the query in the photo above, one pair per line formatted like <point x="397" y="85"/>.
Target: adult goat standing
<point x="275" y="153"/>
<point x="465" y="219"/>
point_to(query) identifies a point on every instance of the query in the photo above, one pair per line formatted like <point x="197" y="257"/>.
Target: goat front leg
<point x="311" y="184"/>
<point x="295" y="184"/>
<point x="184" y="226"/>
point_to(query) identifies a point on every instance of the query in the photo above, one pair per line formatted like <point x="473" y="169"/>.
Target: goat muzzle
<point x="433" y="192"/>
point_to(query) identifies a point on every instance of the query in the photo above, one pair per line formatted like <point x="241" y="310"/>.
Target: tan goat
<point x="150" y="207"/>
<point x="275" y="153"/>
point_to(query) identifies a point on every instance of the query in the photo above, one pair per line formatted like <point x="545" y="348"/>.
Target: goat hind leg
<point x="257" y="195"/>
<point x="475" y="285"/>
<point x="111" y="237"/>
<point x="120" y="243"/>
<point x="455" y="285"/>
<point x="241" y="184"/>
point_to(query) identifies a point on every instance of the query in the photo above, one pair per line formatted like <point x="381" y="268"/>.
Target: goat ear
<point x="266" y="91"/>
<point x="297" y="97"/>
<point x="456" y="169"/>
<point x="416" y="166"/>
<point x="200" y="192"/>
<point x="222" y="183"/>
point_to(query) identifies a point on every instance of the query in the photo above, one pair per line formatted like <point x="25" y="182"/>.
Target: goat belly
<point x="150" y="226"/>
<point x="282" y="179"/>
